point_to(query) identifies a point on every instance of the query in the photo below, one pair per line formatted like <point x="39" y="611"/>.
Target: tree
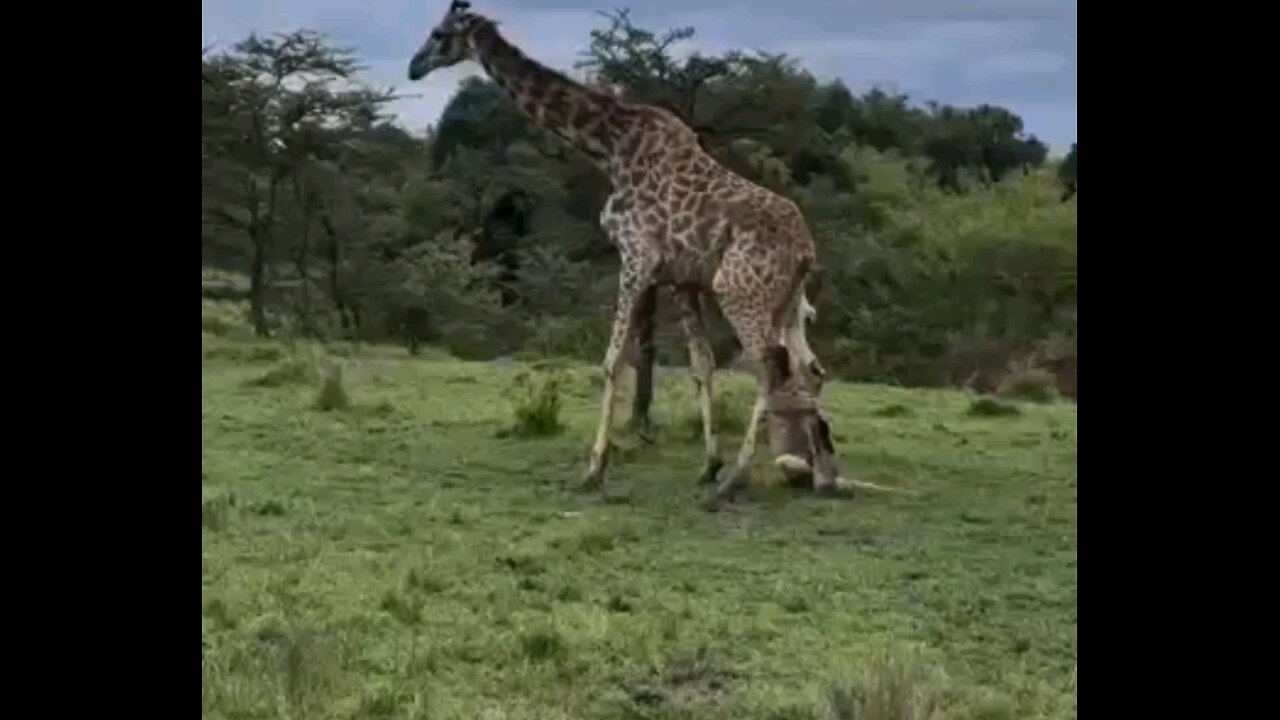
<point x="273" y="110"/>
<point x="1067" y="174"/>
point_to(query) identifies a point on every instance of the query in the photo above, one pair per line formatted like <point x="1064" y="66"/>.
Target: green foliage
<point x="225" y="318"/>
<point x="277" y="116"/>
<point x="1067" y="174"/>
<point x="931" y="273"/>
<point x="536" y="403"/>
<point x="581" y="338"/>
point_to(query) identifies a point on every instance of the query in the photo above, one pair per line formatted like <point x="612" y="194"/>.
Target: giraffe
<point x="682" y="221"/>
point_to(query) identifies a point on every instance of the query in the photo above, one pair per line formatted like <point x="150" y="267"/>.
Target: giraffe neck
<point x="590" y="120"/>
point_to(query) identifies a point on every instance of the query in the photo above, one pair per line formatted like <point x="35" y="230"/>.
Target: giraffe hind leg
<point x="645" y="359"/>
<point x="702" y="361"/>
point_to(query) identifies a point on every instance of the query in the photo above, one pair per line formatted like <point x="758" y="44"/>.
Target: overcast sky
<point x="1020" y="54"/>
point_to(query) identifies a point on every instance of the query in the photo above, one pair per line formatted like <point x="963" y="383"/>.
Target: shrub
<point x="225" y="319"/>
<point x="537" y="403"/>
<point x="581" y="338"/>
<point x="1058" y="355"/>
<point x="1032" y="384"/>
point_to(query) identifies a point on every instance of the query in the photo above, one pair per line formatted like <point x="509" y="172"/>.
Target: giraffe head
<point x="799" y="432"/>
<point x="449" y="43"/>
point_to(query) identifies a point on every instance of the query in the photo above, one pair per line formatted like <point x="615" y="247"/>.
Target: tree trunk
<point x="261" y="226"/>
<point x="308" y="200"/>
<point x="301" y="262"/>
<point x="258" y="282"/>
<point x="335" y="263"/>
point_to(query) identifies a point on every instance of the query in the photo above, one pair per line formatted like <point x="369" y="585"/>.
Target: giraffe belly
<point x="687" y="268"/>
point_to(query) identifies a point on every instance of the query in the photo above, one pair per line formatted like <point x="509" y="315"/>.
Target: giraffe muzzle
<point x="420" y="65"/>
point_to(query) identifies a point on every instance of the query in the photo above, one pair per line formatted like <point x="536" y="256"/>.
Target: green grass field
<point x="406" y="557"/>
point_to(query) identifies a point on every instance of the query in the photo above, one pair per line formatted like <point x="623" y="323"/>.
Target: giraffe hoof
<point x="644" y="430"/>
<point x="710" y="471"/>
<point x="592" y="480"/>
<point x="732" y="485"/>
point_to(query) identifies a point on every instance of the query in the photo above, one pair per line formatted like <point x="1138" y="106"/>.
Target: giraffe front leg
<point x="742" y="310"/>
<point x="740" y="475"/>
<point x="619" y="340"/>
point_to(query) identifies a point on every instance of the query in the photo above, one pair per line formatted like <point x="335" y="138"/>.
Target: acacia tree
<point x="274" y="109"/>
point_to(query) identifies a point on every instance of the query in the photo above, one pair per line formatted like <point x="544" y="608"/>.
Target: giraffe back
<point x="694" y="215"/>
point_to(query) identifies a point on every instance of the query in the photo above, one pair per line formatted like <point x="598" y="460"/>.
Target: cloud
<point x="1018" y="53"/>
<point x="1007" y="65"/>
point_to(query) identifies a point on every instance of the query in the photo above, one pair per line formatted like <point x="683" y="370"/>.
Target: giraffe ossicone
<point x="682" y="221"/>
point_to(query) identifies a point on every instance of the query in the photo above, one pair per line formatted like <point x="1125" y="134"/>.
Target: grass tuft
<point x="332" y="394"/>
<point x="542" y="644"/>
<point x="895" y="687"/>
<point x="896" y="410"/>
<point x="991" y="407"/>
<point x="536" y="405"/>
